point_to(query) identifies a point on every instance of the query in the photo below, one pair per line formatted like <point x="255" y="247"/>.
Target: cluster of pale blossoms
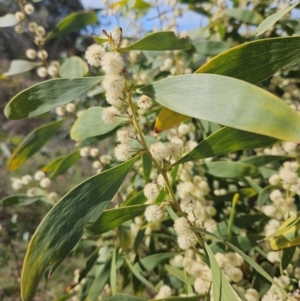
<point x="99" y="161"/>
<point x="68" y="108"/>
<point x="32" y="184"/>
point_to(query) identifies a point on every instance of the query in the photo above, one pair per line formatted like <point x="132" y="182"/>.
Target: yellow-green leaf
<point x="227" y="101"/>
<point x="74" y="67"/>
<point x="32" y="143"/>
<point x="251" y="62"/>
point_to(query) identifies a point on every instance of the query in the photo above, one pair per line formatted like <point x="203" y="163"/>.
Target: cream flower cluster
<point x="99" y="161"/>
<point x="33" y="185"/>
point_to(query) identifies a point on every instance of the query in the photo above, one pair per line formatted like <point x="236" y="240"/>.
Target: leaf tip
<point x="157" y="130"/>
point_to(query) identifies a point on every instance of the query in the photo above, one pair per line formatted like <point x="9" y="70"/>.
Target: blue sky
<point x="188" y="21"/>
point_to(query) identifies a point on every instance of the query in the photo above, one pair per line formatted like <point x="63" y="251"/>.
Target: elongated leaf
<point x="167" y="119"/>
<point x="227" y="101"/>
<point x="113" y="274"/>
<point x="160" y="41"/>
<point x="53" y="164"/>
<point x="74" y="67"/>
<point x="20" y="66"/>
<point x="137" y="199"/>
<point x="224" y="141"/>
<point x="147" y="165"/>
<point x="48" y="95"/>
<point x="222" y="291"/>
<point x="179" y="298"/>
<point x="244" y="15"/>
<point x="8" y="20"/>
<point x="271" y="20"/>
<point x="19" y="200"/>
<point x="136" y="272"/>
<point x="32" y="143"/>
<point x="179" y="274"/>
<point x="211" y="47"/>
<point x="73" y="22"/>
<point x="66" y="163"/>
<point x="90" y="124"/>
<point x="231" y="169"/>
<point x="151" y="261"/>
<point x="63" y="226"/>
<point x="262" y="160"/>
<point x="251" y="62"/>
<point x="114" y="217"/>
<point x="100" y="40"/>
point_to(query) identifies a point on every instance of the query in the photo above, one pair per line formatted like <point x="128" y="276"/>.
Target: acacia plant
<point x="201" y="206"/>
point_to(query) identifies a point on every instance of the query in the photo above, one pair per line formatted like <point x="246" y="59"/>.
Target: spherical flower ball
<point x="187" y="205"/>
<point x="113" y="83"/>
<point x="123" y="152"/>
<point x="26" y="179"/>
<point x="173" y="150"/>
<point x="109" y="115"/>
<point x="144" y="102"/>
<point x="84" y="152"/>
<point x="32" y="26"/>
<point x="17" y="184"/>
<point x="42" y="54"/>
<point x="40" y="31"/>
<point x="123" y="135"/>
<point x="19" y="29"/>
<point x="70" y="107"/>
<point x="210" y="225"/>
<point x="234" y="259"/>
<point x="153" y="213"/>
<point x="183" y="129"/>
<point x="19" y="16"/>
<point x="252" y="294"/>
<point x="53" y="196"/>
<point x="105" y="159"/>
<point x="164" y="292"/>
<point x="45" y="182"/>
<point x="151" y="191"/>
<point x="42" y="72"/>
<point x="112" y="63"/>
<point x="114" y="99"/>
<point x="271" y="295"/>
<point x="39" y="175"/>
<point x="60" y="111"/>
<point x="94" y="54"/>
<point x="31" y="54"/>
<point x="94" y="152"/>
<point x="201" y="285"/>
<point x="182" y="226"/>
<point x="186" y="241"/>
<point x="52" y="71"/>
<point x="235" y="274"/>
<point x="158" y="151"/>
<point x="97" y="165"/>
<point x="29" y="9"/>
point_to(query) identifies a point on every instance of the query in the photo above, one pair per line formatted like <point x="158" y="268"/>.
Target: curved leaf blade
<point x="57" y="235"/>
<point x="231" y="169"/>
<point x="48" y="95"/>
<point x="19" y="200"/>
<point x="66" y="163"/>
<point x="82" y="128"/>
<point x="32" y="143"/>
<point x="8" y="20"/>
<point x="73" y="22"/>
<point x="160" y="41"/>
<point x="20" y="66"/>
<point x="271" y="20"/>
<point x="227" y="101"/>
<point x="249" y="17"/>
<point x="222" y="291"/>
<point x="224" y="141"/>
<point x="74" y="67"/>
<point x="112" y="218"/>
<point x="251" y="62"/>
